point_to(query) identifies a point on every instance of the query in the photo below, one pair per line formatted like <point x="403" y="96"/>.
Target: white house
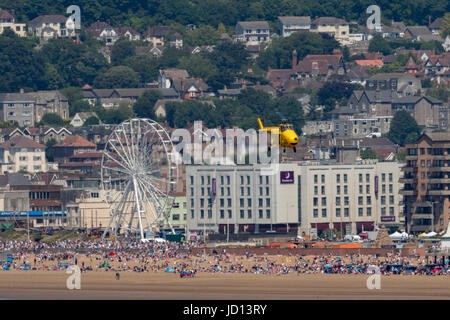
<point x="22" y="154"/>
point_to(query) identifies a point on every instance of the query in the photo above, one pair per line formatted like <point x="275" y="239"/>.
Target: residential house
<point x="160" y="107"/>
<point x="370" y="63"/>
<point x="420" y="33"/>
<point x="70" y="146"/>
<point x="22" y="154"/>
<point x="323" y="65"/>
<point x="50" y="102"/>
<point x="437" y="64"/>
<point x="289" y="25"/>
<point x="50" y="26"/>
<point x="252" y="32"/>
<point x="372" y="102"/>
<point x="97" y="134"/>
<point x="189" y="89"/>
<point x="358" y="74"/>
<point x="435" y="27"/>
<point x="8" y="133"/>
<point x="156" y="35"/>
<point x="80" y="118"/>
<point x="425" y="110"/>
<point x="176" y="40"/>
<point x="335" y="27"/>
<point x="17" y="107"/>
<point x="127" y="33"/>
<point x="7" y="22"/>
<point x="103" y="31"/>
<point x="44" y="134"/>
<point x="411" y="67"/>
<point x="167" y="76"/>
<point x="402" y="83"/>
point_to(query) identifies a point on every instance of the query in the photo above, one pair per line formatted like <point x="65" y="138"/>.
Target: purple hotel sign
<point x="286" y="177"/>
<point x="388" y="219"/>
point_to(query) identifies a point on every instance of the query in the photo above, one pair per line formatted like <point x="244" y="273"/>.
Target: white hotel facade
<point x="299" y="198"/>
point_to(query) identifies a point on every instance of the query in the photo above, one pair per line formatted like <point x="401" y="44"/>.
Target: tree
<point x="121" y="50"/>
<point x="51" y="119"/>
<point x="145" y="104"/>
<point x="203" y="35"/>
<point x="92" y="120"/>
<point x="379" y="44"/>
<point x="445" y="26"/>
<point x="49" y="150"/>
<point x="333" y="93"/>
<point x="368" y="154"/>
<point x="146" y="66"/>
<point x="117" y="77"/>
<point x="199" y="67"/>
<point x="79" y="106"/>
<point x="404" y="128"/>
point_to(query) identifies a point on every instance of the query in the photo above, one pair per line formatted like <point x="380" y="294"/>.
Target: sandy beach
<point x="103" y="285"/>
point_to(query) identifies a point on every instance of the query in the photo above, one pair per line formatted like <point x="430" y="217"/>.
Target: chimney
<point x="294" y="59"/>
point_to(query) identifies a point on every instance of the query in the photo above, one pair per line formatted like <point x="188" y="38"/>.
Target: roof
<point x="384" y="153"/>
<point x="87" y="155"/>
<point x="329" y="21"/>
<point x="21" y="142"/>
<point x="97" y="28"/>
<point x="157" y="31"/>
<point x="49" y="18"/>
<point x="415" y="99"/>
<point x="74" y="141"/>
<point x="295" y="20"/>
<point x="371" y="63"/>
<point x="385" y="96"/>
<point x="254" y="24"/>
<point x="343" y="110"/>
<point x="438" y="136"/>
<point x="122" y="30"/>
<point x="48" y="95"/>
<point x="5" y="15"/>
<point x="184" y="85"/>
<point x="418" y="30"/>
<point x="324" y="62"/>
<point x="14" y="179"/>
<point x="174" y="73"/>
<point x="436" y="24"/>
<point x="388" y="76"/>
<point x="176" y="36"/>
<point x="86" y="115"/>
<point x="16" y="97"/>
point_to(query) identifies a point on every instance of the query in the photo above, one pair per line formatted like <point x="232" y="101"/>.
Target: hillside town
<point x="371" y="110"/>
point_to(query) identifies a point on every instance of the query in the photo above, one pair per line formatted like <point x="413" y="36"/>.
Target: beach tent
<point x="430" y="234"/>
<point x="422" y="234"/>
<point x="170" y="270"/>
<point x="396" y="236"/>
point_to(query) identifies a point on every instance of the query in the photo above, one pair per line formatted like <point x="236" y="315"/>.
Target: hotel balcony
<point x="420" y="228"/>
<point x="407" y="180"/>
<point x="416" y="216"/>
<point x="409" y="169"/>
<point x="438" y="180"/>
<point x="438" y="192"/>
<point x="440" y="157"/>
<point x="439" y="169"/>
<point x="407" y="192"/>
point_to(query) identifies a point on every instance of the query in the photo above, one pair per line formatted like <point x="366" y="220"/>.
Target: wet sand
<point x="207" y="286"/>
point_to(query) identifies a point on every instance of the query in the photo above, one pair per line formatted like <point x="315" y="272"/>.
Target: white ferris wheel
<point x="138" y="173"/>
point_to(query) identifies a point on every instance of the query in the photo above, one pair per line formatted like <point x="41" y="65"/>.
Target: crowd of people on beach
<point x="126" y="255"/>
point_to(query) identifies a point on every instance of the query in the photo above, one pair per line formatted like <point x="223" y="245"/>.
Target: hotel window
<point x="203" y="179"/>
<point x="267" y="191"/>
<point x="268" y="202"/>
<point x="422" y="163"/>
<point x="260" y="191"/>
<point x="360" y="201"/>
<point x="267" y="179"/>
<point x="260" y="202"/>
<point x="391" y="199"/>
<point x="360" y="212"/>
<point x="338" y="212"/>
<point x="192" y="179"/>
<point x="202" y="214"/>
<point x="316" y="213"/>
<point x="367" y="177"/>
<point x="383" y="188"/>
<point x="192" y="191"/>
<point x="315" y="201"/>
<point x="230" y="215"/>
<point x="222" y="203"/>
<point x="324" y="201"/>
<point x="241" y="202"/>
<point x="222" y="214"/>
<point x="242" y="191"/>
<point x="345" y="201"/>
<point x="242" y="180"/>
<point x="391" y="188"/>
<point x="241" y="214"/>
<point x="369" y="212"/>
<point x="268" y="214"/>
<point x="391" y="211"/>
<point x="383" y="211"/>
<point x="228" y="191"/>
<point x="345" y="212"/>
<point x="338" y="178"/>
<point x="229" y="202"/>
<point x="192" y="203"/>
<point x="228" y="179"/>
<point x="360" y="188"/>
<point x="248" y="179"/>
<point x="209" y="213"/>
<point x="369" y="200"/>
<point x="260" y="180"/>
<point x="37" y="167"/>
<point x="249" y="214"/>
<point x="345" y="178"/>
<point x="315" y="178"/>
<point x="338" y="189"/>
<point x="368" y="188"/>
<point x="192" y="214"/>
<point x="383" y="200"/>
<point x="221" y="180"/>
<point x="202" y="202"/>
<point x="209" y="179"/>
<point x="203" y="191"/>
<point x="322" y="189"/>
<point x="249" y="202"/>
<point x="383" y="177"/>
<point x="222" y="191"/>
<point x="324" y="213"/>
<point x="316" y="190"/>
<point x="323" y="178"/>
<point x="338" y="201"/>
<point x="390" y="177"/>
<point x="260" y="214"/>
<point x="345" y="189"/>
<point x="360" y="178"/>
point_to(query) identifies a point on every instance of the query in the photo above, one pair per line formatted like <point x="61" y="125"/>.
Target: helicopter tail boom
<point x="260" y="124"/>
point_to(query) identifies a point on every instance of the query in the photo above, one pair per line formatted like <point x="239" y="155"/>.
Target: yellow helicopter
<point x="288" y="137"/>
